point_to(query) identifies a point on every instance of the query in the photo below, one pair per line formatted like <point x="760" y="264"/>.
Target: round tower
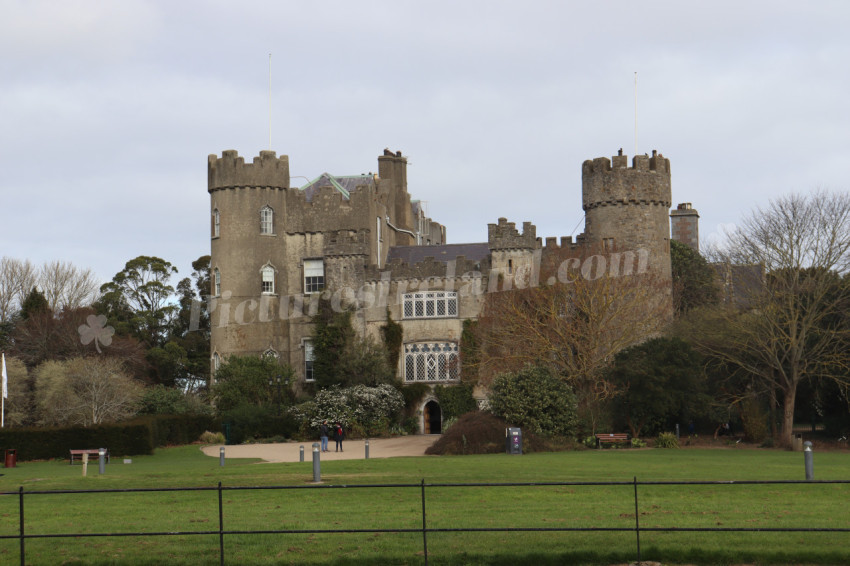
<point x="248" y="255"/>
<point x="627" y="208"/>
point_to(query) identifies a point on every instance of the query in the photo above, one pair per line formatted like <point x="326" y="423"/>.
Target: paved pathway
<point x="352" y="449"/>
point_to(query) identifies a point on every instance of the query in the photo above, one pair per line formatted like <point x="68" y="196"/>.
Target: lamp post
<point x="271" y="382"/>
<point x="278" y="381"/>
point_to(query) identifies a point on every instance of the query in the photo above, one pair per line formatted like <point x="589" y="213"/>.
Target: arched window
<point x="216" y="361"/>
<point x="216" y="223"/>
<point x="266" y="220"/>
<point x="216" y="282"/>
<point x="270" y="353"/>
<point x="267" y="273"/>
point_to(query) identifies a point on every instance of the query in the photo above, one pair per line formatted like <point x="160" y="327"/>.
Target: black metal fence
<point x="221" y="532"/>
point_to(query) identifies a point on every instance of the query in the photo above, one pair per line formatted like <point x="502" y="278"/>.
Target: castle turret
<point x="626" y="208"/>
<point x="248" y="252"/>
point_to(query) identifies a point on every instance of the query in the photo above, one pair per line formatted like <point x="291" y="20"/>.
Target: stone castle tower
<point x="627" y="208"/>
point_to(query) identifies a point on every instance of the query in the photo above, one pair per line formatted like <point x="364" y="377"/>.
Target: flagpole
<point x="3" y="393"/>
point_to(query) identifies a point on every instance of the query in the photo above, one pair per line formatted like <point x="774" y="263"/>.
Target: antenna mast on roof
<point x="270" y="101"/>
<point x="635" y="153"/>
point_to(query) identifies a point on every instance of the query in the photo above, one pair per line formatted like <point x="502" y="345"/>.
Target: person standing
<point x="323" y="435"/>
<point x="339" y="435"/>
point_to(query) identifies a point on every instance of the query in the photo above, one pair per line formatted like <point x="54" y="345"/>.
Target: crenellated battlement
<point x="567" y="243"/>
<point x="230" y="170"/>
<point x="505" y="236"/>
<point x="613" y="183"/>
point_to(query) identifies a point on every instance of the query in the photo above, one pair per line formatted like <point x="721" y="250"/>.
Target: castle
<point x="277" y="249"/>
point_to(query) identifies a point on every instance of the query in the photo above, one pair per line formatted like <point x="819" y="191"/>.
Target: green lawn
<point x="660" y="506"/>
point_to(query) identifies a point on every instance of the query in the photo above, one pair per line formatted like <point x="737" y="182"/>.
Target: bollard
<point x="85" y="464"/>
<point x="221" y="456"/>
<point x="317" y="471"/>
<point x="808" y="458"/>
<point x="677" y="431"/>
<point x="367" y="448"/>
<point x="301" y="455"/>
<point x="101" y="457"/>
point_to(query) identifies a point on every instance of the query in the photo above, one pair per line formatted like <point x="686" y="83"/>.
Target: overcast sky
<point x="108" y="110"/>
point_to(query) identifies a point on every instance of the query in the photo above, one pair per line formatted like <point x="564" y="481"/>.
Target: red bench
<point x="91" y="452"/>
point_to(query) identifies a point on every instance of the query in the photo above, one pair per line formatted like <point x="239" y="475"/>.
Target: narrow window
<point x="216" y="282"/>
<point x="266" y="220"/>
<point x="308" y="361"/>
<point x="314" y="276"/>
<point x="380" y="238"/>
<point x="510" y="266"/>
<point x="216" y="223"/>
<point x="268" y="280"/>
<point x="216" y="361"/>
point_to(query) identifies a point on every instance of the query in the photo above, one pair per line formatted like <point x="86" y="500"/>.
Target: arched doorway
<point x="433" y="417"/>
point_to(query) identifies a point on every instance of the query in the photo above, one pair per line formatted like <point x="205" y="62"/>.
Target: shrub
<point x="536" y="400"/>
<point x="638" y="443"/>
<point x="754" y="420"/>
<point x="250" y="423"/>
<point x="473" y="433"/>
<point x="666" y="440"/>
<point x="480" y="432"/>
<point x="211" y="438"/>
<point x="455" y="400"/>
<point x="362" y="410"/>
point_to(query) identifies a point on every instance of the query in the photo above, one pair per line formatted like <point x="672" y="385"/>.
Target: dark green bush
<point x="480" y="432"/>
<point x="455" y="400"/>
<point x="666" y="440"/>
<point x="250" y="423"/>
<point x="135" y="437"/>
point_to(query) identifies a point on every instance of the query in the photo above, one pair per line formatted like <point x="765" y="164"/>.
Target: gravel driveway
<point x="352" y="449"/>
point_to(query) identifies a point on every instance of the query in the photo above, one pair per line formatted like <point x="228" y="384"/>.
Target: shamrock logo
<point x="97" y="331"/>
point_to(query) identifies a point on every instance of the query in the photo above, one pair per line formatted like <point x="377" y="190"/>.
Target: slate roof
<point x="444" y="253"/>
<point x="344" y="184"/>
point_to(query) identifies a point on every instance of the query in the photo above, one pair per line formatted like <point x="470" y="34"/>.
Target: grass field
<point x="770" y="506"/>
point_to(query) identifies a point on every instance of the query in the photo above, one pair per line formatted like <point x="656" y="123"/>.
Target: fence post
<point x="21" y="523"/>
<point x="424" y="528"/>
<point x="637" y="522"/>
<point x="220" y="527"/>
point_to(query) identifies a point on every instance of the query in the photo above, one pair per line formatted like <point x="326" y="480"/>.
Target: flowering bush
<point x="359" y="408"/>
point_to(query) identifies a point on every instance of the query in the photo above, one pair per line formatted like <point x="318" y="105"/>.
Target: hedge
<point x="136" y="437"/>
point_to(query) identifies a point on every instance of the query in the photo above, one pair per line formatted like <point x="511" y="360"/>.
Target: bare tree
<point x="17" y="278"/>
<point x="574" y="324"/>
<point x="85" y="391"/>
<point x="788" y="325"/>
<point x="66" y="286"/>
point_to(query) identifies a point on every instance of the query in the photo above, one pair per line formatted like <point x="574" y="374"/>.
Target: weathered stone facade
<point x="276" y="250"/>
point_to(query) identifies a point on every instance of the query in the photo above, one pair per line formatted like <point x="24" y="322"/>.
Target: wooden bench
<point x="611" y="438"/>
<point x="91" y="452"/>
